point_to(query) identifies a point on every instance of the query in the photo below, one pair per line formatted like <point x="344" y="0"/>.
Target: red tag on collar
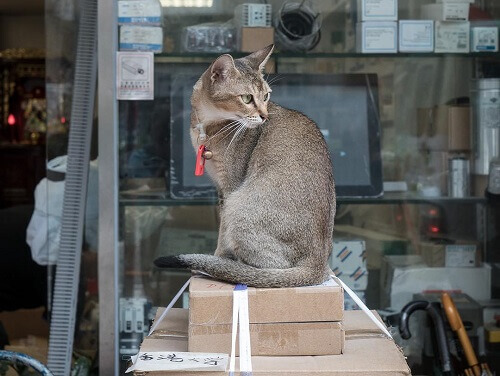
<point x="200" y="161"/>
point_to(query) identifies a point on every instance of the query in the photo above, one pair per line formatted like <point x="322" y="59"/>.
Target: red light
<point x="433" y="212"/>
<point x="63" y="120"/>
<point x="434" y="229"/>
<point x="11" y="120"/>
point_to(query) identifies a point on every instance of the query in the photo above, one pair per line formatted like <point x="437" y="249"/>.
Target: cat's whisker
<point x="274" y="79"/>
<point x="238" y="132"/>
<point x="234" y="128"/>
<point x="224" y="129"/>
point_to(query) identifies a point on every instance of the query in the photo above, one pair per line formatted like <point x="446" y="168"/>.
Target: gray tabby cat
<point x="274" y="176"/>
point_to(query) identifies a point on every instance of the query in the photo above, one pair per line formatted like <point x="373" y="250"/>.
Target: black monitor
<point x="345" y="107"/>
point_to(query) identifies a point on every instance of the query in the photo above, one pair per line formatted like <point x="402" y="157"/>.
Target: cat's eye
<point x="266" y="97"/>
<point x="246" y="98"/>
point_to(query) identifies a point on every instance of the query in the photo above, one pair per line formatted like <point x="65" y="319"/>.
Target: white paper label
<point x="460" y="255"/>
<point x="485" y="39"/>
<point x="416" y="34"/>
<point x="378" y="8"/>
<point x="452" y="37"/>
<point x="455" y="12"/>
<point x="379" y="38"/>
<point x="257" y="15"/>
<point x="135" y="75"/>
<point x="489" y="105"/>
<point x="177" y="361"/>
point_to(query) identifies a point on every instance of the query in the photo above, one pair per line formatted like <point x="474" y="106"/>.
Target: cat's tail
<point x="237" y="272"/>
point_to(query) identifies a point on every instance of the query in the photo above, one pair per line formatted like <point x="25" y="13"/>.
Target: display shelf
<point x="187" y="56"/>
<point x="163" y="199"/>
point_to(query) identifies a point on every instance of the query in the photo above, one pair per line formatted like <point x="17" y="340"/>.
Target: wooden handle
<point x="457" y="326"/>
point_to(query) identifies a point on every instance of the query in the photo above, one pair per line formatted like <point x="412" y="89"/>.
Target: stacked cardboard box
<point x="286" y="321"/>
<point x="296" y="331"/>
<point x="366" y="352"/>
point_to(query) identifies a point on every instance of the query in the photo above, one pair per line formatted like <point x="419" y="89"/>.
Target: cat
<point x="273" y="172"/>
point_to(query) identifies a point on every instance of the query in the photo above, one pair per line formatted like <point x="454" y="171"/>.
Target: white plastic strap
<point x="170" y="305"/>
<point x="241" y="318"/>
<point x="363" y="306"/>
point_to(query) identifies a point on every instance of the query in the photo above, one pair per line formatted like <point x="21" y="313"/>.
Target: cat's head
<point x="234" y="89"/>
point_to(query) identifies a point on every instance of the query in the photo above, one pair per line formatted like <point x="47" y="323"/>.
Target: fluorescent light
<point x="187" y="3"/>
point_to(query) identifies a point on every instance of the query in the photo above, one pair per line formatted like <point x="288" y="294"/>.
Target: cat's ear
<point x="221" y="68"/>
<point x="259" y="58"/>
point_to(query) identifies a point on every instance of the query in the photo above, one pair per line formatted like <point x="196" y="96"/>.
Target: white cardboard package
<point x="416" y="35"/>
<point x="452" y="37"/>
<point x="404" y="276"/>
<point x="377" y="37"/>
<point x="377" y="10"/>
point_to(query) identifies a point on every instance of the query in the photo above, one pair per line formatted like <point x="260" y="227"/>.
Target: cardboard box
<point x="404" y="276"/>
<point x="377" y="37"/>
<point x="416" y="36"/>
<point x="141" y="38"/>
<point x="255" y="38"/>
<point x="274" y="339"/>
<point x="452" y="37"/>
<point x="444" y="128"/>
<point x="310" y="338"/>
<point x="445" y="11"/>
<point x="378" y="243"/>
<point x="377" y="10"/>
<point x="484" y="39"/>
<point x="139" y="12"/>
<point x="211" y="302"/>
<point x="359" y="357"/>
<point x="449" y="255"/>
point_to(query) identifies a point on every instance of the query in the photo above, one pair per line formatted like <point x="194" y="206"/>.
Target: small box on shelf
<point x="484" y="39"/>
<point x="445" y="11"/>
<point x="416" y="35"/>
<point x="377" y="37"/>
<point x="141" y="38"/>
<point x="377" y="10"/>
<point x="452" y="37"/>
<point x="139" y="12"/>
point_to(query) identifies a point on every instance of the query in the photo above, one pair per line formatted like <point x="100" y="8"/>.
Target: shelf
<point x="186" y="56"/>
<point x="163" y="199"/>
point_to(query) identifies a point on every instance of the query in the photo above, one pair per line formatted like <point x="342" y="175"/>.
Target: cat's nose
<point x="264" y="115"/>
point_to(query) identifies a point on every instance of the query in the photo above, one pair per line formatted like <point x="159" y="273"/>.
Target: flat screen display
<point x="345" y="107"/>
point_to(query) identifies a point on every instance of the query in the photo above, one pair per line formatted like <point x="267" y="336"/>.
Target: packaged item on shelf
<point x="378" y="243"/>
<point x="255" y="38"/>
<point x="358" y="359"/>
<point x="404" y="276"/>
<point x="484" y="39"/>
<point x="141" y="38"/>
<point x="416" y="36"/>
<point x="377" y="10"/>
<point x="444" y="128"/>
<point x="210" y="37"/>
<point x="452" y="37"/>
<point x="377" y="37"/>
<point x="348" y="262"/>
<point x="439" y="254"/>
<point x="139" y="12"/>
<point x="447" y="11"/>
<point x="253" y="15"/>
<point x="211" y="301"/>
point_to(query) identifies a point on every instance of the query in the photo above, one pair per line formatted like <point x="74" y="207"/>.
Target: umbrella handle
<point x="434" y="312"/>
